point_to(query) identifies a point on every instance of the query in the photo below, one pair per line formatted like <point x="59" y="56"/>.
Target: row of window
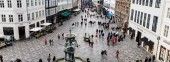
<point x="8" y="3"/>
<point x="37" y="14"/>
<point x="143" y="19"/>
<point x="166" y="29"/>
<point x="147" y="3"/>
<point x="168" y="13"/>
<point x="35" y="2"/>
<point x="20" y="18"/>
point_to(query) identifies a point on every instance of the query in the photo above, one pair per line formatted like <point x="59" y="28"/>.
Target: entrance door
<point x="138" y="36"/>
<point x="22" y="32"/>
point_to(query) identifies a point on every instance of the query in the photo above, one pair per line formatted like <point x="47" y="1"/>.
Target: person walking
<point x="92" y="44"/>
<point x="45" y="41"/>
<point x="117" y="54"/>
<point x="54" y="59"/>
<point x="149" y="59"/>
<point x="58" y="36"/>
<point x="1" y="58"/>
<point x="49" y="58"/>
<point x="102" y="52"/>
<point x="146" y="59"/>
<point x="88" y="60"/>
<point x="50" y="41"/>
<point x="63" y="35"/>
<point x="40" y="60"/>
<point x="105" y="52"/>
<point x="153" y="58"/>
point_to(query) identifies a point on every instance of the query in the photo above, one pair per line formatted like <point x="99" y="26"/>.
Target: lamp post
<point x="158" y="38"/>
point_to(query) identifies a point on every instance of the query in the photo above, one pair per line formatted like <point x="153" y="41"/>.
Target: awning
<point x="77" y="9"/>
<point x="129" y="28"/>
<point x="144" y="39"/>
<point x="66" y="13"/>
<point x="150" y="43"/>
<point x="36" y="29"/>
<point x="46" y="24"/>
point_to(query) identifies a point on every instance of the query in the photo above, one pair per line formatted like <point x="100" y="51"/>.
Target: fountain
<point x="69" y="50"/>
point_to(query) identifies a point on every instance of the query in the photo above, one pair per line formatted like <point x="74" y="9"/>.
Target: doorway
<point x="22" y="32"/>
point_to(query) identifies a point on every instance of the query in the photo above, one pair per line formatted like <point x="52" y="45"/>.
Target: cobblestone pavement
<point x="34" y="49"/>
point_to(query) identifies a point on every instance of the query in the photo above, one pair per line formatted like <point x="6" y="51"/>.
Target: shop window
<point x="151" y="49"/>
<point x="168" y="57"/>
<point x="162" y="53"/>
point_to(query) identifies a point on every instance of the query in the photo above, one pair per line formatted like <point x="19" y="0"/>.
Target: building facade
<point x="145" y="23"/>
<point x="122" y="10"/>
<point x="17" y="17"/>
<point x="51" y="8"/>
<point x="163" y="53"/>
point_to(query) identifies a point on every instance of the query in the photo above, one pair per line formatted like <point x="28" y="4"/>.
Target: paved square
<point x="34" y="49"/>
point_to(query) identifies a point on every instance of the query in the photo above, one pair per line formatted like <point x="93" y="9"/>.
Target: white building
<point x="64" y="4"/>
<point x="145" y="22"/>
<point x="17" y="17"/>
<point x="110" y="5"/>
<point x="163" y="54"/>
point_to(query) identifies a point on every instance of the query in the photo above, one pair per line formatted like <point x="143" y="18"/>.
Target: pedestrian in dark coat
<point x="54" y="59"/>
<point x="49" y="58"/>
<point x="92" y="44"/>
<point x="58" y="36"/>
<point x="1" y="58"/>
<point x="105" y="52"/>
<point x="149" y="59"/>
<point x="40" y="60"/>
<point x="146" y="59"/>
<point x="153" y="58"/>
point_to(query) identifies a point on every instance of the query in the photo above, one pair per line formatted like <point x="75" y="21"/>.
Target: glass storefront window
<point x="168" y="57"/>
<point x="162" y="53"/>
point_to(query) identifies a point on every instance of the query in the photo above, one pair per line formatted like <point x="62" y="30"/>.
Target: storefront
<point x="148" y="45"/>
<point x="162" y="54"/>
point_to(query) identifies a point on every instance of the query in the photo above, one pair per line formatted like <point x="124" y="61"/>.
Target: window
<point x="39" y="13"/>
<point x="28" y="3"/>
<point x="140" y="2"/>
<point x="135" y="16"/>
<point x="39" y="2"/>
<point x="35" y="2"/>
<point x="143" y="2"/>
<point x="2" y="3"/>
<point x="168" y="13"/>
<point x="9" y="4"/>
<point x="148" y="21"/>
<point x="144" y="19"/>
<point x="141" y="17"/>
<point x="157" y="4"/>
<point x="138" y="17"/>
<point x="28" y="16"/>
<point x="151" y="1"/>
<point x="32" y="16"/>
<point x="154" y="25"/>
<point x="20" y="17"/>
<point x="146" y="4"/>
<point x="19" y="4"/>
<point x="10" y="18"/>
<point x="32" y="3"/>
<point x="133" y="1"/>
<point x="3" y="18"/>
<point x="132" y="11"/>
<point x="166" y="29"/>
<point x="42" y="12"/>
<point x="36" y="14"/>
<point x="42" y="2"/>
<point x="136" y="1"/>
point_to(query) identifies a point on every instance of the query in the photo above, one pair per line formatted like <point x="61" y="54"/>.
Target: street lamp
<point x="158" y="38"/>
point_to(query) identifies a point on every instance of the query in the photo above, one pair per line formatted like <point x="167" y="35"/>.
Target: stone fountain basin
<point x="77" y="59"/>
